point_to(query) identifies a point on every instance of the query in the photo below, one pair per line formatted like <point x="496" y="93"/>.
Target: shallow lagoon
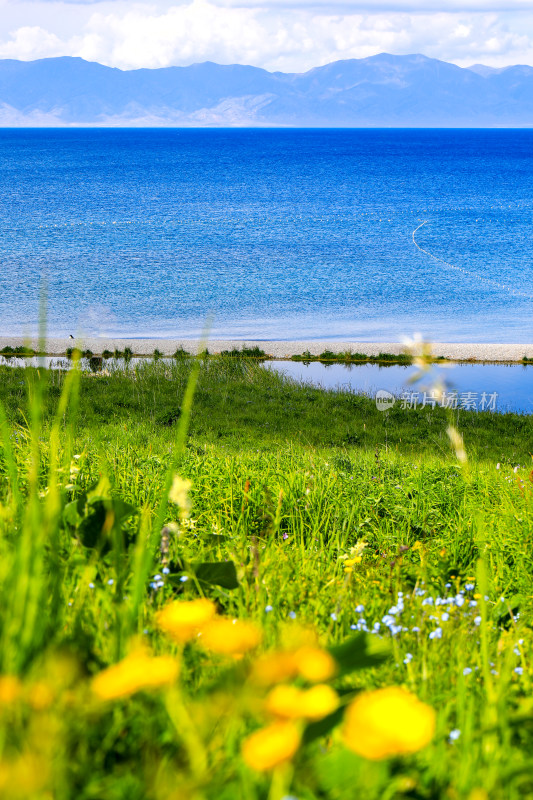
<point x="512" y="383"/>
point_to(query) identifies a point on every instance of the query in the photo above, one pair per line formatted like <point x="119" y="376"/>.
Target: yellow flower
<point x="355" y="556"/>
<point x="179" y="494"/>
<point x="10" y="689"/>
<point x="230" y="637"/>
<point x="289" y="702"/>
<point x="311" y="663"/>
<point x="183" y="619"/>
<point x="315" y="665"/>
<point x="271" y="746"/>
<point x="274" y="668"/>
<point x="137" y="671"/>
<point x="388" y="722"/>
<point x="41" y="696"/>
<point x="350" y="563"/>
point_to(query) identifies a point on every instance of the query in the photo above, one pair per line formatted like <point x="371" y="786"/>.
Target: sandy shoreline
<point x="280" y="349"/>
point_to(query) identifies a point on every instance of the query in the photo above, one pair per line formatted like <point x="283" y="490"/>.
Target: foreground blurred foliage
<point x="269" y="592"/>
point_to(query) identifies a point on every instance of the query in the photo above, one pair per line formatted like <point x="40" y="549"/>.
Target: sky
<point x="287" y="35"/>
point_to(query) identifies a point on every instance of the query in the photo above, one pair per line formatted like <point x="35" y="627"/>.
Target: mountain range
<point x="380" y="91"/>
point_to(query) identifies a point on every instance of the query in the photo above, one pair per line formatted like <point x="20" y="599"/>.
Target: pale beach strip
<point x="283" y="349"/>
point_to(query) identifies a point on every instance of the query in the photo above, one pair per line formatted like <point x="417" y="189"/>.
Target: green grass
<point x="286" y="479"/>
<point x="328" y="356"/>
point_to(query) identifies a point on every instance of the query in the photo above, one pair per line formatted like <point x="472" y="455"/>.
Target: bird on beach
<point x="71" y="336"/>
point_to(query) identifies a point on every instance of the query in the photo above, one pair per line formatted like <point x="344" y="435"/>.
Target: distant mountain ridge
<point x="379" y="91"/>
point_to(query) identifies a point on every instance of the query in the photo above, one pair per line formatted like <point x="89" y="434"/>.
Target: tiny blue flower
<point x="473" y="604"/>
<point x="110" y="582"/>
<point x="268" y="609"/>
<point x="516" y="650"/>
<point x="416" y="629"/>
<point x="519" y="670"/>
<point x="454" y="735"/>
<point x="467" y="670"/>
<point x="359" y="609"/>
<point x="448" y="585"/>
<point x="408" y="658"/>
<point x="184" y="578"/>
<point x="165" y="571"/>
<point x="292" y="614"/>
<point x="436" y="634"/>
<point x="445" y="617"/>
<point x="459" y="600"/>
<point x="477" y="620"/>
<point x="395" y="629"/>
<point x="427" y="601"/>
<point x="91" y="586"/>
<point x="376" y="626"/>
<point x="157" y="577"/>
<point x="333" y="617"/>
<point x="469" y="587"/>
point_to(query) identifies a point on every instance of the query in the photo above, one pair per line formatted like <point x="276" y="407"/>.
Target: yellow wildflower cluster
<point x="388" y="722"/>
<point x="271" y="746"/>
<point x="188" y="619"/>
<point x="289" y="702"/>
<point x="10" y="689"/>
<point x="308" y="662"/>
<point x="354" y="557"/>
<point x="183" y="620"/>
<point x="137" y="671"/>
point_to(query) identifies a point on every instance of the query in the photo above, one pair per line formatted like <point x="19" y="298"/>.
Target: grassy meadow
<point x="217" y="584"/>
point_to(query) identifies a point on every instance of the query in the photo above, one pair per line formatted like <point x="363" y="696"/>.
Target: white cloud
<point x="31" y="42"/>
<point x="266" y="33"/>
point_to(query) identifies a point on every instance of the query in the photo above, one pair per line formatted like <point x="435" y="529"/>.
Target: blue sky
<point x="289" y="35"/>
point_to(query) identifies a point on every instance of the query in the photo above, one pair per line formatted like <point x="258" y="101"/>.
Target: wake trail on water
<point x="482" y="278"/>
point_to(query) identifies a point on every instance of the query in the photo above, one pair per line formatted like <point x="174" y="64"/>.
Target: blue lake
<point x="278" y="234"/>
<point x="479" y="387"/>
<point x="499" y="387"/>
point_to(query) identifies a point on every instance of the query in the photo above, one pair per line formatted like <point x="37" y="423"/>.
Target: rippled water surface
<point x="275" y="233"/>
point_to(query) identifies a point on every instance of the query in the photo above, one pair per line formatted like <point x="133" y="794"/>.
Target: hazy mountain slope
<point x="382" y="90"/>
